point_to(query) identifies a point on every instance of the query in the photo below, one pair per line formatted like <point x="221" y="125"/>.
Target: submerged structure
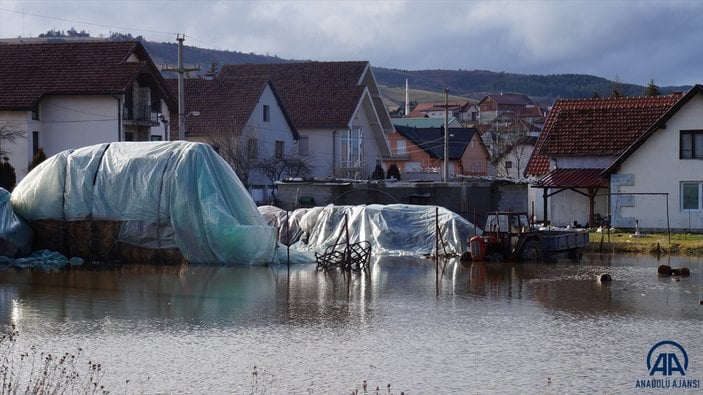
<point x="144" y="201"/>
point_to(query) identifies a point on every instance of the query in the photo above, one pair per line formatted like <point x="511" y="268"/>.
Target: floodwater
<point x="475" y="328"/>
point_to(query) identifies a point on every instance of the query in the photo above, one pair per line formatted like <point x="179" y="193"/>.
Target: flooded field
<point x="475" y="328"/>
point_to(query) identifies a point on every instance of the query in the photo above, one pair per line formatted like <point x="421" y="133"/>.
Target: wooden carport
<point x="575" y="180"/>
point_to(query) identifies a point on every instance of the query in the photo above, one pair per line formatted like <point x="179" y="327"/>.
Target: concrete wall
<point x="468" y="199"/>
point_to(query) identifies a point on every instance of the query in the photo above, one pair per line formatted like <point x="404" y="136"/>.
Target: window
<point x="401" y="149"/>
<point x="279" y="149"/>
<point x="691" y="146"/>
<point x="508" y="164"/>
<point x="267" y="113"/>
<point x="692" y="195"/>
<point x="304" y="146"/>
<point x="252" y="148"/>
<point x="352" y="148"/>
<point x="155" y="138"/>
<point x="35" y="113"/>
<point x="35" y="142"/>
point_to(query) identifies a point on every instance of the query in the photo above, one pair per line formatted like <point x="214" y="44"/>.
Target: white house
<point x="633" y="160"/>
<point x="657" y="183"/>
<point x="70" y="94"/>
<point x="337" y="110"/>
<point x="245" y="121"/>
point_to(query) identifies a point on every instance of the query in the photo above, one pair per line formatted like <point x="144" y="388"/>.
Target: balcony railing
<point x="141" y="115"/>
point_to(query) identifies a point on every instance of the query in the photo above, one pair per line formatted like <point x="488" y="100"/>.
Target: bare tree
<point x="511" y="148"/>
<point x="286" y="166"/>
<point x="234" y="146"/>
<point x="9" y="133"/>
<point x="240" y="150"/>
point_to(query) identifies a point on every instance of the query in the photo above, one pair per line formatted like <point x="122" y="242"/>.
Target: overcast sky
<point x="633" y="41"/>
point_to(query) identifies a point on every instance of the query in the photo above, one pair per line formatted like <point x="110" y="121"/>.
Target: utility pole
<point x="445" y="171"/>
<point x="181" y="92"/>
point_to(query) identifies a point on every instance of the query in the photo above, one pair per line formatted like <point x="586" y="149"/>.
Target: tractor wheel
<point x="531" y="252"/>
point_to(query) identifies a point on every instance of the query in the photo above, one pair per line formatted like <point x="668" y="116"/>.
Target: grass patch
<point x="650" y="243"/>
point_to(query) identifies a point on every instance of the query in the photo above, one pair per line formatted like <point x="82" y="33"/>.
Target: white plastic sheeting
<point x="15" y="234"/>
<point x="396" y="229"/>
<point x="166" y="193"/>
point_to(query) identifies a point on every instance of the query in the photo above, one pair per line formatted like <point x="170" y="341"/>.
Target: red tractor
<point x="509" y="236"/>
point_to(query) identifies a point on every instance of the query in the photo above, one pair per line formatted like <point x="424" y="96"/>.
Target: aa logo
<point x="667" y="357"/>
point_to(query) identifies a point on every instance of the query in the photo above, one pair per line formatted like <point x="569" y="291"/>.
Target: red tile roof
<point x="225" y="105"/>
<point x="592" y="127"/>
<point x="28" y="71"/>
<point x="316" y="94"/>
<point x="661" y="122"/>
<point x="573" y="178"/>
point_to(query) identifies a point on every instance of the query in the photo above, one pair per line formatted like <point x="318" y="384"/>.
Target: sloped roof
<point x="593" y="127"/>
<point x="431" y="140"/>
<point x="423" y="108"/>
<point x="29" y="71"/>
<point x="509" y="99"/>
<point x="316" y="94"/>
<point x="422" y="122"/>
<point x="573" y="178"/>
<point x="225" y="105"/>
<point x="696" y="90"/>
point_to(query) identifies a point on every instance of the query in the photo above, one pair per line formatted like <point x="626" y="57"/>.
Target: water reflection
<point x="405" y="315"/>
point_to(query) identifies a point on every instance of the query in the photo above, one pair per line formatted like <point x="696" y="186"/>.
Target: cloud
<point x="635" y="40"/>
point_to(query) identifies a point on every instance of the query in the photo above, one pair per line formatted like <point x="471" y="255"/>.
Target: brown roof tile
<point x="316" y="94"/>
<point x="590" y="127"/>
<point x="32" y="70"/>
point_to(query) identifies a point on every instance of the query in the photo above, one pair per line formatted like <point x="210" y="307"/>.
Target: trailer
<point x="509" y="236"/>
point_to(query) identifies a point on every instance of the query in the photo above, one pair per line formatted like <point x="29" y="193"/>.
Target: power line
<point x="86" y="23"/>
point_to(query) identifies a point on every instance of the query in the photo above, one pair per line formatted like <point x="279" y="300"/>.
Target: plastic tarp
<point x="166" y="194"/>
<point x="395" y="229"/>
<point x="15" y="234"/>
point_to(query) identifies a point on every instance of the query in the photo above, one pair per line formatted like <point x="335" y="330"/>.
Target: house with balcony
<point x="631" y="161"/>
<point x="245" y="122"/>
<point x="419" y="152"/>
<point x="337" y="110"/>
<point x="70" y="94"/>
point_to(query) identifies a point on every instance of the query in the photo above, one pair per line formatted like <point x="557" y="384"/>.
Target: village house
<point x="337" y="110"/>
<point x="419" y="152"/>
<point x="245" y="122"/>
<point x="463" y="111"/>
<point x="512" y="161"/>
<point x="632" y="161"/>
<point x="521" y="106"/>
<point x="66" y="95"/>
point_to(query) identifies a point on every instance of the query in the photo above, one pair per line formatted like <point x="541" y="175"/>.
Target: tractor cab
<point x="506" y="236"/>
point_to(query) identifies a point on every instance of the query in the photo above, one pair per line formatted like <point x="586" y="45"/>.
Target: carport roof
<point x="573" y="178"/>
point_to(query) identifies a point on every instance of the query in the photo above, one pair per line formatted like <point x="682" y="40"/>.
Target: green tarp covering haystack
<point x="155" y="201"/>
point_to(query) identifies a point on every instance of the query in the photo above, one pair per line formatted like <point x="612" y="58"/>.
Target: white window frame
<point x="352" y="148"/>
<point x="700" y="195"/>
